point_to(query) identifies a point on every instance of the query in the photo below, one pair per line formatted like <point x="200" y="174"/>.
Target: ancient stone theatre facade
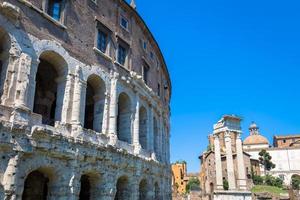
<point x="85" y="95"/>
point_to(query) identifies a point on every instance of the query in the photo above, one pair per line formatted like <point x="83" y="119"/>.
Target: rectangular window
<point x="145" y="73"/>
<point x="122" y="54"/>
<point x="102" y="41"/>
<point x="124" y="23"/>
<point x="55" y="9"/>
<point x="151" y="55"/>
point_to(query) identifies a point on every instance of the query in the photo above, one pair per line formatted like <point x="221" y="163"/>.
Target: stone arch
<point x="38" y="183"/>
<point x="156" y="191"/>
<point x="123" y="189"/>
<point x="156" y="136"/>
<point x="5" y="45"/>
<point x="50" y="87"/>
<point x="21" y="166"/>
<point x="89" y="186"/>
<point x="143" y="127"/>
<point x="143" y="189"/>
<point x="95" y="101"/>
<point x="124" y="118"/>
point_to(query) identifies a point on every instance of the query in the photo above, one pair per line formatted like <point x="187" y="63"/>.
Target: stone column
<point x="136" y="127"/>
<point x="113" y="111"/>
<point x="66" y="113"/>
<point x="242" y="183"/>
<point x="77" y="99"/>
<point x="219" y="175"/>
<point x="229" y="162"/>
<point x="9" y="86"/>
<point x="10" y="179"/>
<point x="105" y="114"/>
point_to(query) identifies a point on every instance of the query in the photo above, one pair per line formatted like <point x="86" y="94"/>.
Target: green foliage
<point x="295" y="182"/>
<point x="265" y="159"/>
<point x="225" y="184"/>
<point x="270" y="189"/>
<point x="180" y="162"/>
<point x="193" y="184"/>
<point x="267" y="180"/>
<point x="257" y="180"/>
<point x="272" y="181"/>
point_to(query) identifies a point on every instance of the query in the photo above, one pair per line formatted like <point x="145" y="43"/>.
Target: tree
<point x="193" y="184"/>
<point x="265" y="159"/>
<point x="295" y="182"/>
<point x="225" y="184"/>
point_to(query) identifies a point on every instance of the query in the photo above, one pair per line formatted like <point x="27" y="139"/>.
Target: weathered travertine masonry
<point x="85" y="96"/>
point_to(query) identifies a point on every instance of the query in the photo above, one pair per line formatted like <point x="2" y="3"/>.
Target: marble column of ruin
<point x="242" y="184"/>
<point x="219" y="176"/>
<point x="229" y="162"/>
<point x="136" y="126"/>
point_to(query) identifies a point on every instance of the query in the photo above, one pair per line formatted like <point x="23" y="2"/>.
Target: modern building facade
<point x="285" y="153"/>
<point x="85" y="96"/>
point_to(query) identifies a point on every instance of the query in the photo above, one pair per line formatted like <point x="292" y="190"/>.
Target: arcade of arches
<point x="64" y="99"/>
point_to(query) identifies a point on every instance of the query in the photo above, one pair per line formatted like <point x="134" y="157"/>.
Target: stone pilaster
<point x="9" y="87"/>
<point x="113" y="111"/>
<point x="229" y="162"/>
<point x="242" y="181"/>
<point x="77" y="116"/>
<point x="105" y="114"/>
<point x="218" y="165"/>
<point x="136" y="127"/>
<point x="23" y="79"/>
<point x="66" y="113"/>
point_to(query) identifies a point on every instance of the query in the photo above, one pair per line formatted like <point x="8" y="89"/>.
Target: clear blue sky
<point x="228" y="57"/>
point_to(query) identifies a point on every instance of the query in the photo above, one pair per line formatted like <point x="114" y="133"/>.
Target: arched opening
<point x="4" y="57"/>
<point x="124" y="118"/>
<point x="89" y="186"/>
<point x="50" y="87"/>
<point x="36" y="186"/>
<point x="123" y="190"/>
<point x="156" y="191"/>
<point x="85" y="188"/>
<point x="94" y="105"/>
<point x="143" y="189"/>
<point x="156" y="136"/>
<point x="143" y="126"/>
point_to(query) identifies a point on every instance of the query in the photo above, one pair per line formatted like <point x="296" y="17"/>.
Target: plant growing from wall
<point x="265" y="159"/>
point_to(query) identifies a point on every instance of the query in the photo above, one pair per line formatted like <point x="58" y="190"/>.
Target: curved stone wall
<point x="73" y="119"/>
